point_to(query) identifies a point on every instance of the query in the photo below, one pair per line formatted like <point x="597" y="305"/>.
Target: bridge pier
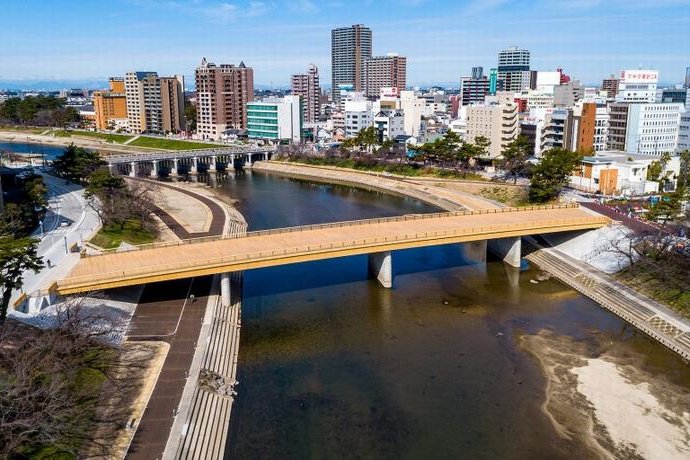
<point x="133" y="169"/>
<point x="173" y="171"/>
<point x="508" y="249"/>
<point x="212" y="164"/>
<point x="381" y="268"/>
<point x="154" y="169"/>
<point x="194" y="168"/>
<point x="225" y="297"/>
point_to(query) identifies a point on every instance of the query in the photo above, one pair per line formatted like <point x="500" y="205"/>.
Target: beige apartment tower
<point x="306" y="86"/>
<point x="154" y="104"/>
<point x="498" y="122"/>
<point x="222" y="93"/>
<point x="384" y="72"/>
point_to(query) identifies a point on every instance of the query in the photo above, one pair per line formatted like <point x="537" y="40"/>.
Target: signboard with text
<point x="639" y="76"/>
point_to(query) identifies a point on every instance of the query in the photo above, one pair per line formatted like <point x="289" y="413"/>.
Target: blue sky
<point x="92" y="40"/>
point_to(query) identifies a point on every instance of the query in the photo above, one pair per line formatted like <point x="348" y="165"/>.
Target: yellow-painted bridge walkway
<point x="206" y="256"/>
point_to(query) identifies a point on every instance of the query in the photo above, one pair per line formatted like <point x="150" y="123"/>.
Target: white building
<point x="412" y="107"/>
<point x="648" y="129"/>
<point x="275" y="119"/>
<point x="684" y="132"/>
<point x="615" y="173"/>
<point x="537" y="99"/>
<point x="637" y="86"/>
<point x="358" y="115"/>
<point x="546" y="81"/>
<point x="390" y="123"/>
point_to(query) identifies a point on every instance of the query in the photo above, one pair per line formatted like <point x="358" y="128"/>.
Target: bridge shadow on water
<point x="310" y="275"/>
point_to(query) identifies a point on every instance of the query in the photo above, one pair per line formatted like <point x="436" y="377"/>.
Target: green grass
<point x="131" y="233"/>
<point x="23" y="129"/>
<point x="111" y="138"/>
<point x="662" y="290"/>
<point x="61" y="133"/>
<point x="170" y="144"/>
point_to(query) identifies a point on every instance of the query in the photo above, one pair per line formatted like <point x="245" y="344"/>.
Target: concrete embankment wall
<point x="370" y="181"/>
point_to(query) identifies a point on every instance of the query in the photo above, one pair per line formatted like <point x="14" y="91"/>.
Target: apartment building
<point x="350" y="47"/>
<point x="388" y="71"/>
<point x="474" y="89"/>
<point x="306" y="86"/>
<point x="110" y="106"/>
<point x="223" y="92"/>
<point x="497" y="121"/>
<point x="154" y="104"/>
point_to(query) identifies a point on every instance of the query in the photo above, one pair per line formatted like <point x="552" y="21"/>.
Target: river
<point x="445" y="365"/>
<point x="50" y="151"/>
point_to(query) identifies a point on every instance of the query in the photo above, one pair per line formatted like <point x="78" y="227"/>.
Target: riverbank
<point x="609" y="401"/>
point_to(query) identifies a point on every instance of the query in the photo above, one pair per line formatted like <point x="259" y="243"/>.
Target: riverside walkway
<point x="191" y="258"/>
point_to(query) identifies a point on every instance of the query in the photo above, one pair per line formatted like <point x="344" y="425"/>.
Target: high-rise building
<point x="384" y="72"/>
<point x="610" y="85"/>
<point x="154" y="104"/>
<point x="511" y="63"/>
<point x="222" y="93"/>
<point x="275" y="119"/>
<point x="687" y="78"/>
<point x="637" y="86"/>
<point x="647" y="129"/>
<point x="306" y="86"/>
<point x="474" y="89"/>
<point x="350" y="47"/>
<point x="110" y="105"/>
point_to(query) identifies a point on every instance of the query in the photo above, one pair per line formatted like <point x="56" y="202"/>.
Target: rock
<point x="534" y="281"/>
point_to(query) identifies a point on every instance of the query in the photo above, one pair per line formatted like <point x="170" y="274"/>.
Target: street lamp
<point x="65" y="240"/>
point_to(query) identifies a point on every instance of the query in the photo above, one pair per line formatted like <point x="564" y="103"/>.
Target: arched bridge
<point x="502" y="228"/>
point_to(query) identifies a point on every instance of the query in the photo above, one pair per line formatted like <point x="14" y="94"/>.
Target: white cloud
<point x="303" y="6"/>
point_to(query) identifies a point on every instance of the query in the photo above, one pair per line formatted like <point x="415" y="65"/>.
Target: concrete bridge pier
<point x="133" y="169"/>
<point x="508" y="249"/>
<point x="230" y="166"/>
<point x="212" y="164"/>
<point x="194" y="168"/>
<point x="154" y="169"/>
<point x="381" y="268"/>
<point x="173" y="171"/>
<point x="225" y="290"/>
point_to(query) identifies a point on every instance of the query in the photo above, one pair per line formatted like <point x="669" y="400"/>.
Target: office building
<point x="610" y="85"/>
<point x="222" y="93"/>
<point x="474" y="89"/>
<point x="512" y="62"/>
<point x="350" y="47"/>
<point x="306" y="86"/>
<point x="684" y="132"/>
<point x="358" y="115"/>
<point x="110" y="106"/>
<point x="687" y="78"/>
<point x="647" y="129"/>
<point x="388" y="71"/>
<point x="275" y="119"/>
<point x="673" y="95"/>
<point x="637" y="86"/>
<point x="389" y="124"/>
<point x="497" y="121"/>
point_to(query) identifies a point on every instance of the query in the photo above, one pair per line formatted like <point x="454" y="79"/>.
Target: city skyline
<point x="590" y="39"/>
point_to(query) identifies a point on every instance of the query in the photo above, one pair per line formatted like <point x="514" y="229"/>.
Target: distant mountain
<point x="53" y="85"/>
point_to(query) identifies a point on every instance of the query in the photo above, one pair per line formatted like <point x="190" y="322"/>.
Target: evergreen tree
<point x="552" y="173"/>
<point x="17" y="255"/>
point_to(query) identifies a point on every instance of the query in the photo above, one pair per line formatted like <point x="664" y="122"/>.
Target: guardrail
<point x="224" y="261"/>
<point x="347" y="223"/>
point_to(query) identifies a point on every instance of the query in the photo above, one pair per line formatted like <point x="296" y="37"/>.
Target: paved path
<point x="178" y="228"/>
<point x="165" y="313"/>
<point x="179" y="260"/>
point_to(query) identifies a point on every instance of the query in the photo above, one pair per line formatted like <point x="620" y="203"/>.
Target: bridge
<point x="502" y="228"/>
<point x="155" y="164"/>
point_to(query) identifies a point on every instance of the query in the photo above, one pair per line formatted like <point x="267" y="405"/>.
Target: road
<point x="66" y="203"/>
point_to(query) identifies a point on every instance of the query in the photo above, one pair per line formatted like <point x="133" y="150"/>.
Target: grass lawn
<point x="22" y="129"/>
<point x="112" y="138"/>
<point x="131" y="232"/>
<point x="661" y="290"/>
<point x="170" y="144"/>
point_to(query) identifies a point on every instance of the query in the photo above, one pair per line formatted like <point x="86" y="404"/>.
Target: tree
<point x="669" y="206"/>
<point x="190" y="114"/>
<point x="106" y="194"/>
<point x="684" y="168"/>
<point x="17" y="255"/>
<point x="77" y="163"/>
<point x="552" y="173"/>
<point x="515" y="156"/>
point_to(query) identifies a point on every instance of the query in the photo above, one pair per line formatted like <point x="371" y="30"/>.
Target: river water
<point x="332" y="365"/>
<point x="50" y="151"/>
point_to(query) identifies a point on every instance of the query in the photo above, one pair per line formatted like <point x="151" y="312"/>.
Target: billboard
<point x="639" y="76"/>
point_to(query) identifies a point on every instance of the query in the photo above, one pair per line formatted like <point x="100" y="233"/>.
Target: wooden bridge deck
<point x="207" y="256"/>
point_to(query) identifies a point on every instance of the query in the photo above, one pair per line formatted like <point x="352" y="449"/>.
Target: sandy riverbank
<point x="608" y="402"/>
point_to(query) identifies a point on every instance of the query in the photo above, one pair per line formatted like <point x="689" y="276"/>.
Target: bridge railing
<point x="169" y="155"/>
<point x="222" y="261"/>
<point x="346" y="223"/>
